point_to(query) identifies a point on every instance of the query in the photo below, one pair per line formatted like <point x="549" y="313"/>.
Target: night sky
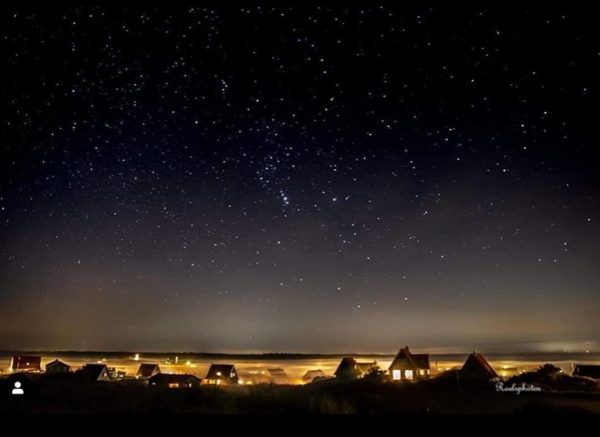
<point x="299" y="179"/>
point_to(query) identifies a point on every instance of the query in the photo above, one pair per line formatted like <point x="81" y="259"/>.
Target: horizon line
<point x="15" y="352"/>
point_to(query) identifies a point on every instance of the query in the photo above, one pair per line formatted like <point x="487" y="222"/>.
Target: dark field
<point x="65" y="396"/>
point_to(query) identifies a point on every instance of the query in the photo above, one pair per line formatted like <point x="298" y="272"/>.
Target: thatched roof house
<point x="223" y="374"/>
<point x="350" y="369"/>
<point x="409" y="367"/>
<point x="478" y="368"/>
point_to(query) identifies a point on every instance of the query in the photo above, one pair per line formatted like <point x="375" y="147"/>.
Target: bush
<point x="552" y="378"/>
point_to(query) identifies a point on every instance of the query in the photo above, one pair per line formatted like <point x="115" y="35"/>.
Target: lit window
<point x="410" y="375"/>
<point x="219" y="374"/>
<point x="397" y="375"/>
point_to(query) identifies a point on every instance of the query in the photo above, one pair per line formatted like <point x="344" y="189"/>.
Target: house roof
<point x="422" y="362"/>
<point x="26" y="363"/>
<point x="164" y="379"/>
<point x="366" y="367"/>
<point x="314" y="374"/>
<point x="221" y="372"/>
<point x="95" y="371"/>
<point x="415" y="362"/>
<point x="278" y="373"/>
<point x="587" y="371"/>
<point x="477" y="365"/>
<point x="148" y="370"/>
<point x="57" y="363"/>
<point x="350" y="367"/>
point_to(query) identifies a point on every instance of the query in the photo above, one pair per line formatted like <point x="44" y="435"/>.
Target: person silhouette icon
<point x="18" y="391"/>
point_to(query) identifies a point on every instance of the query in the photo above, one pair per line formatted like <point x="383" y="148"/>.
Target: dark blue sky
<point x="314" y="179"/>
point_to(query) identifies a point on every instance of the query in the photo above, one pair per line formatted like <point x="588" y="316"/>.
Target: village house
<point x="57" y="367"/>
<point x="95" y="373"/>
<point x="582" y="371"/>
<point x="26" y="365"/>
<point x="350" y="369"/>
<point x="147" y="371"/>
<point x="279" y="377"/>
<point x="255" y="377"/>
<point x="478" y="369"/>
<point x="222" y="375"/>
<point x="116" y="374"/>
<point x="314" y="375"/>
<point x="163" y="380"/>
<point x="410" y="367"/>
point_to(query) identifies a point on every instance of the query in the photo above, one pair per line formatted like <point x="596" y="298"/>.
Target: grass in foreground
<point x="67" y="396"/>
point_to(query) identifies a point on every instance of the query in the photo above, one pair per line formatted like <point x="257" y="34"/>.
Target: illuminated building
<point x="174" y="381"/>
<point x="410" y="367"/>
<point x="222" y="375"/>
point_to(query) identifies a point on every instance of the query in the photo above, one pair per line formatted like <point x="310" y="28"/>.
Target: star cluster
<point x="313" y="179"/>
